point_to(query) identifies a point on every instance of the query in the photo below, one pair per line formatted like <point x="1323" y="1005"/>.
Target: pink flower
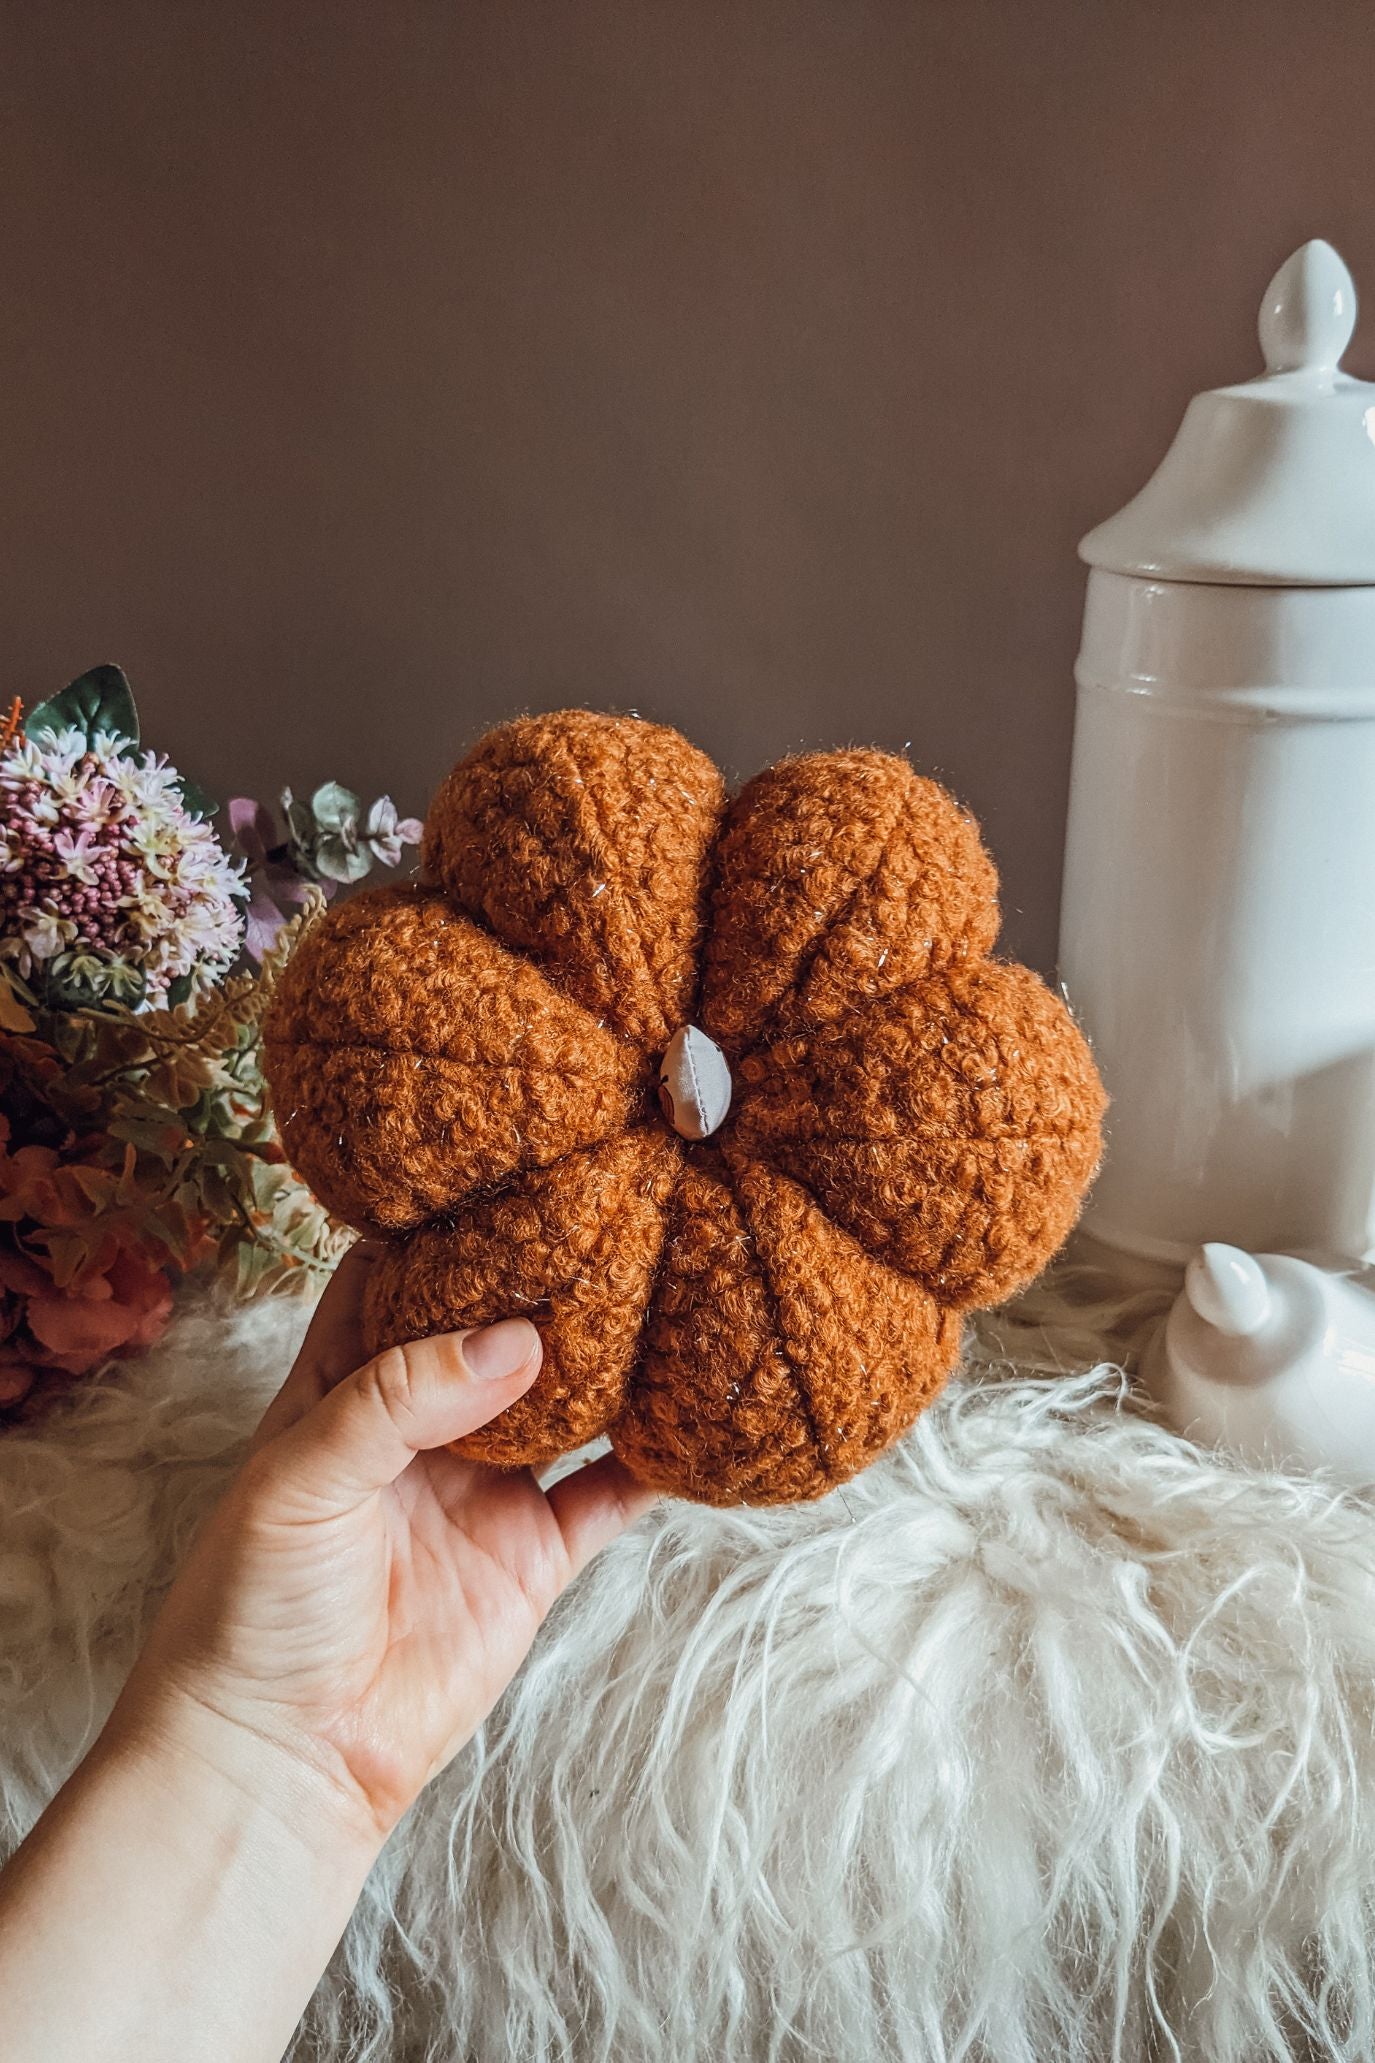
<point x="74" y="849"/>
<point x="109" y="1310"/>
<point x="387" y="833"/>
<point x="272" y="882"/>
<point x="117" y="1312"/>
<point x="108" y="883"/>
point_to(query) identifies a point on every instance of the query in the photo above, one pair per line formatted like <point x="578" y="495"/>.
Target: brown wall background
<point x="368" y="372"/>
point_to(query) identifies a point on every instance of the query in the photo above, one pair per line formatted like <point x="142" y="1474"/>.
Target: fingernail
<point x="499" y="1350"/>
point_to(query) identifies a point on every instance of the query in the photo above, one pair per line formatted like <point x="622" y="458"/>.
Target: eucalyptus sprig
<point x="325" y="842"/>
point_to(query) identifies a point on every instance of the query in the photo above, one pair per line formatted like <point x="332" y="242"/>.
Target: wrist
<point x="233" y="1776"/>
<point x="207" y="1876"/>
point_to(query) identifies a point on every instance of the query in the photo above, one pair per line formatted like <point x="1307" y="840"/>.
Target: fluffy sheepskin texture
<point x="1047" y="1737"/>
<point x="471" y="1065"/>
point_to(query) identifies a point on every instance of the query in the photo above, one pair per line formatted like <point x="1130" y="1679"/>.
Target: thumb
<point x="361" y="1436"/>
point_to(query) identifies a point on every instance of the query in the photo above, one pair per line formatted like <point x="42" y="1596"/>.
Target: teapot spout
<point x="1228" y="1289"/>
<point x="1272" y="1357"/>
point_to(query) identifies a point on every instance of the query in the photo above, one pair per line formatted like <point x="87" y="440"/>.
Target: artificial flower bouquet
<point x="138" y="953"/>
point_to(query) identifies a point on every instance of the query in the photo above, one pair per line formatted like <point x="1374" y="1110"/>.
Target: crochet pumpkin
<point x="730" y="1100"/>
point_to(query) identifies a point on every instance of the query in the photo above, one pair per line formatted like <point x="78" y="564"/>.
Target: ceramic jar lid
<point x="1270" y="482"/>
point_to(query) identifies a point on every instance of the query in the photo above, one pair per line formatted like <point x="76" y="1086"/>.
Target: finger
<point x="367" y="1429"/>
<point x="331" y="1349"/>
<point x="596" y="1503"/>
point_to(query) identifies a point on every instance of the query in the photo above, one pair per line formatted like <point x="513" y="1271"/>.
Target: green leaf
<point x="73" y="981"/>
<point x="335" y="808"/>
<point x="100" y="700"/>
<point x="194" y="798"/>
<point x="178" y="991"/>
<point x="338" y="858"/>
<point x="163" y="1141"/>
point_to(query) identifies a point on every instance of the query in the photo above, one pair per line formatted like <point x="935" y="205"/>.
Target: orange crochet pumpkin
<point x="470" y="1067"/>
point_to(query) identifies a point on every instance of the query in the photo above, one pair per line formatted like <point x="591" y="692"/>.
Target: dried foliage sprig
<point x="327" y="841"/>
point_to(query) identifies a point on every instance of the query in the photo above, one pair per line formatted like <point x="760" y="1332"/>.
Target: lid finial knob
<point x="1228" y="1289"/>
<point x="1309" y="311"/>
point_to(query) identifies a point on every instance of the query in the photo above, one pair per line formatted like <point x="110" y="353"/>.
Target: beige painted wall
<point x="370" y="371"/>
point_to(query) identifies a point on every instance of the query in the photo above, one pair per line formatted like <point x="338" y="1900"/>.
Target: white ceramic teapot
<point x="1218" y="923"/>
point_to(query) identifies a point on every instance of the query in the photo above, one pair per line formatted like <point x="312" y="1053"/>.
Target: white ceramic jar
<point x="1218" y="924"/>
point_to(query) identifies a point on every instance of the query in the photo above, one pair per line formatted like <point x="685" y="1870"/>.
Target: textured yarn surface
<point x="468" y="1067"/>
<point x="1047" y="1737"/>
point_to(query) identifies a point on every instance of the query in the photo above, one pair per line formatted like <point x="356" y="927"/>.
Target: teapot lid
<point x="1270" y="483"/>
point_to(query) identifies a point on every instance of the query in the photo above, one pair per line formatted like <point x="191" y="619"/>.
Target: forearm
<point x="178" y="1901"/>
<point x="350" y="1611"/>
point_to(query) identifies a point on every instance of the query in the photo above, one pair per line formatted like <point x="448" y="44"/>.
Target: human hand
<point x="361" y="1596"/>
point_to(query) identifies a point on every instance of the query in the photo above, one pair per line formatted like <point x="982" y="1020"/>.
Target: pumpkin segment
<point x="714" y="1411"/>
<point x="952" y="1128"/>
<point x="582" y="840"/>
<point x="573" y="1247"/>
<point x="841" y="877"/>
<point x="780" y="1357"/>
<point x="413" y="1060"/>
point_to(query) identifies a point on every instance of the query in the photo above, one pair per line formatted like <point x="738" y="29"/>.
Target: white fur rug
<point x="1050" y="1737"/>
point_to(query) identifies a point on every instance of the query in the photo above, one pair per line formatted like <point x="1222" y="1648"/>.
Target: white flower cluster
<point x="109" y="884"/>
